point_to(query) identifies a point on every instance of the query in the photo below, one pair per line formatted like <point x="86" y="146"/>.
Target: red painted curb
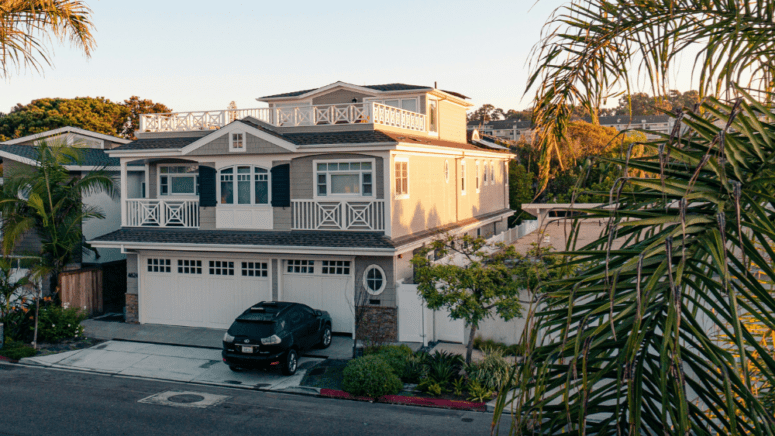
<point x="412" y="401"/>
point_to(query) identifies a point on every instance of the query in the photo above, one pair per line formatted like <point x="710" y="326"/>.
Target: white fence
<point x="417" y="323"/>
<point x="162" y="213"/>
<point x="338" y="215"/>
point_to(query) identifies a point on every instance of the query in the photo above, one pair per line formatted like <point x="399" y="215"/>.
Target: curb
<point x="410" y="401"/>
<point x="294" y="390"/>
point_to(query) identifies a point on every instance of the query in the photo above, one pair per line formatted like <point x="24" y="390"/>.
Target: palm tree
<point x="48" y="201"/>
<point x="25" y="25"/>
<point x="633" y="343"/>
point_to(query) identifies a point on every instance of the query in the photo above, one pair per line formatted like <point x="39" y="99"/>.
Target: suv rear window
<point x="258" y="329"/>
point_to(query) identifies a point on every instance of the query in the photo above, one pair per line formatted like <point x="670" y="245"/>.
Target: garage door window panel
<point x="296" y="266"/>
<point x="189" y="266"/>
<point x="221" y="268"/>
<point x="159" y="265"/>
<point x="336" y="267"/>
<point x="255" y="269"/>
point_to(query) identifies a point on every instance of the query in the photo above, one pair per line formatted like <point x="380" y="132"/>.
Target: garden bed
<point x="411" y="400"/>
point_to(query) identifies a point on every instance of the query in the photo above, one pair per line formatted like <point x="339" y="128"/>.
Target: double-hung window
<point x="237" y="142"/>
<point x="402" y="177"/>
<point x="350" y="178"/>
<point x="244" y="185"/>
<point x="178" y="180"/>
<point x="477" y="176"/>
<point x="463" y="177"/>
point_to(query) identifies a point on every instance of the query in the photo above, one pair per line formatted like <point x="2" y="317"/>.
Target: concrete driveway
<point x="173" y="363"/>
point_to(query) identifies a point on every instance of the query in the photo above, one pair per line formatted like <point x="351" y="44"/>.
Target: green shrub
<point x="453" y="361"/>
<point x="491" y="371"/>
<point x="508" y="350"/>
<point x="477" y="392"/>
<point x="16" y="350"/>
<point x="415" y="369"/>
<point x="394" y="355"/>
<point x="18" y="324"/>
<point x="371" y="376"/>
<point x="458" y="385"/>
<point x="56" y="323"/>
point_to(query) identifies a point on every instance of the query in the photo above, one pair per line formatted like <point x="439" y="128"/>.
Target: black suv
<point x="273" y="332"/>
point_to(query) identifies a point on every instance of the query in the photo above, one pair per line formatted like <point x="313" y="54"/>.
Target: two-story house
<point x="320" y="198"/>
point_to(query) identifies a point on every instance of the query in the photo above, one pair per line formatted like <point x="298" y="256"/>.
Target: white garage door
<point x="201" y="292"/>
<point x="325" y="285"/>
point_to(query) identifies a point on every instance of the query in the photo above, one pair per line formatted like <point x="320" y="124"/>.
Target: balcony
<point x="161" y="213"/>
<point x="295" y="116"/>
<point x="338" y="215"/>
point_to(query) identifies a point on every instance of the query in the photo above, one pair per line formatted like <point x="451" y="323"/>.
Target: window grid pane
<point x="337" y="267"/>
<point x="221" y="268"/>
<point x="159" y="265"/>
<point x="255" y="269"/>
<point x="186" y="266"/>
<point x="296" y="266"/>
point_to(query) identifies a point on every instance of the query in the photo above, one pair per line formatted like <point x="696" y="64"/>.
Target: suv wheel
<point x="291" y="362"/>
<point x="325" y="338"/>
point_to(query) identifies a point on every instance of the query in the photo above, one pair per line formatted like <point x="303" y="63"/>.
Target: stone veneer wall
<point x="379" y="324"/>
<point x="131" y="309"/>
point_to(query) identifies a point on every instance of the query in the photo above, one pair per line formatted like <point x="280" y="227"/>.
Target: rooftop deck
<point x="293" y="116"/>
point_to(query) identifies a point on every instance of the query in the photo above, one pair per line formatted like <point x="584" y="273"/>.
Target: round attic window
<point x="374" y="280"/>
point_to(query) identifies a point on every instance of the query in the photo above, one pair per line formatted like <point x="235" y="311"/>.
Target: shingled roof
<point x="321" y="239"/>
<point x="159" y="143"/>
<point x="384" y="88"/>
<point x="90" y="157"/>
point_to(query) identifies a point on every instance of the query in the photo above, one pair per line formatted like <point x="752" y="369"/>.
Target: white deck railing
<point x="162" y="213"/>
<point x="338" y="215"/>
<point x="291" y="116"/>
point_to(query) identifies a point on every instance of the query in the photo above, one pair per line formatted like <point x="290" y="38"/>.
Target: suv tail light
<point x="271" y="340"/>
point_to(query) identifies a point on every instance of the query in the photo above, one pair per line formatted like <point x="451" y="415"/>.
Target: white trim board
<point x="274" y="249"/>
<point x="67" y="129"/>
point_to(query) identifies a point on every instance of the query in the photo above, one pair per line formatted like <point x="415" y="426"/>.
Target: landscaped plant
<point x="370" y="376"/>
<point x="477" y="392"/>
<point x="507" y="350"/>
<point x="626" y="346"/>
<point x="416" y="368"/>
<point x="16" y="350"/>
<point x="57" y="323"/>
<point x="394" y="355"/>
<point x="458" y="385"/>
<point x="48" y="200"/>
<point x="491" y="371"/>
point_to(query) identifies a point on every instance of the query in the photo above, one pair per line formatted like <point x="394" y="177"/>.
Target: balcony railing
<point x="161" y="213"/>
<point x="292" y="116"/>
<point x="338" y="215"/>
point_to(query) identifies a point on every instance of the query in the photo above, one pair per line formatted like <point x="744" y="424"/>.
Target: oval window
<point x="374" y="280"/>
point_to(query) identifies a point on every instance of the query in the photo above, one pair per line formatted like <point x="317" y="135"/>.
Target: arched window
<point x="374" y="280"/>
<point x="244" y="184"/>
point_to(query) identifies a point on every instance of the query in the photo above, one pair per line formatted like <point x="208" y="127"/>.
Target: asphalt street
<point x="39" y="401"/>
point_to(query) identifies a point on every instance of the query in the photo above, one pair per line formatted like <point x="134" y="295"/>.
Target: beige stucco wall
<point x="452" y="122"/>
<point x="433" y="202"/>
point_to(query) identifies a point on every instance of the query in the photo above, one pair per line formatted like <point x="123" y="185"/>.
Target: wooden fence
<point x="82" y="289"/>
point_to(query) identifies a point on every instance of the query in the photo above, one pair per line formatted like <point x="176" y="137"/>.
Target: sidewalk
<point x="176" y="363"/>
<point x="341" y="346"/>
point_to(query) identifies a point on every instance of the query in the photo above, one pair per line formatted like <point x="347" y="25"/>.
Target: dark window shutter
<point x="207" y="187"/>
<point x="281" y="186"/>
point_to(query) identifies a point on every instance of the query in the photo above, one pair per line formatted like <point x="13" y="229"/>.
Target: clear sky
<point x="200" y="55"/>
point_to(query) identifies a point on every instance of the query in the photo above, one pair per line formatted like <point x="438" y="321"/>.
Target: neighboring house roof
<point x="68" y="129"/>
<point x="159" y="143"/>
<point x="636" y="119"/>
<point x="321" y="239"/>
<point x="90" y="157"/>
<point x="502" y="124"/>
<point x="384" y="88"/>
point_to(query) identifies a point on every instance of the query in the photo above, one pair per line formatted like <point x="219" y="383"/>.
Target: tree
<point x="26" y="26"/>
<point x="136" y="107"/>
<point x="520" y="189"/>
<point x="47" y="200"/>
<point x="483" y="114"/>
<point x="474" y="282"/>
<point x="96" y="114"/>
<point x="627" y="340"/>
